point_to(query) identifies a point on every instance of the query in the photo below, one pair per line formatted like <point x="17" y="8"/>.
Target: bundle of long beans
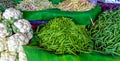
<point x="62" y="35"/>
<point x="106" y="33"/>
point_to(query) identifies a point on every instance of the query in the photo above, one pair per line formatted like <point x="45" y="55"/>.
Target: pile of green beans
<point x="106" y="32"/>
<point x="62" y="35"/>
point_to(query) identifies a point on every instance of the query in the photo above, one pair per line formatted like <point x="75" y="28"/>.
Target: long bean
<point x="106" y="33"/>
<point x="62" y="35"/>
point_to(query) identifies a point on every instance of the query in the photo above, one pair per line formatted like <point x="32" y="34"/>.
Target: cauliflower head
<point x="11" y="13"/>
<point x="3" y="31"/>
<point x="23" y="25"/>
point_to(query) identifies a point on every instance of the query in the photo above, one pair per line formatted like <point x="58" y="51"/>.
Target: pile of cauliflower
<point x="14" y="33"/>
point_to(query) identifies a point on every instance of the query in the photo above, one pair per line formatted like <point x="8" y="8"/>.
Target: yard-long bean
<point x="106" y="32"/>
<point x="62" y="35"/>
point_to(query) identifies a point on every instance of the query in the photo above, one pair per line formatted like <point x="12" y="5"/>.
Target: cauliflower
<point x="14" y="33"/>
<point x="11" y="13"/>
<point x="4" y="56"/>
<point x="15" y="43"/>
<point x="15" y="40"/>
<point x="3" y="45"/>
<point x="3" y="31"/>
<point x="22" y="55"/>
<point x="30" y="35"/>
<point x="22" y="38"/>
<point x="12" y="44"/>
<point x="23" y="25"/>
<point x="8" y="56"/>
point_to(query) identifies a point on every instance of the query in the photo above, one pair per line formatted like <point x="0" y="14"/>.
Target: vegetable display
<point x="75" y="5"/>
<point x="14" y="32"/>
<point x="106" y="32"/>
<point x="67" y="5"/>
<point x="62" y="35"/>
<point x="34" y="5"/>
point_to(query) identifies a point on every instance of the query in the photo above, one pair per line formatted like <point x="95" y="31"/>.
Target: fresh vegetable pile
<point x="106" y="32"/>
<point x="58" y="37"/>
<point x="62" y="35"/>
<point x="34" y="5"/>
<point x="14" y="32"/>
<point x="75" y="5"/>
<point x="67" y="5"/>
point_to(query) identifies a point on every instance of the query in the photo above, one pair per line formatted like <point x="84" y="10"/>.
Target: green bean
<point x="65" y="35"/>
<point x="106" y="33"/>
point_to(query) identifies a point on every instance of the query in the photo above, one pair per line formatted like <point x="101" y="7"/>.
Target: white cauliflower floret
<point x="4" y="56"/>
<point x="3" y="45"/>
<point x="7" y="56"/>
<point x="11" y="13"/>
<point x="3" y="31"/>
<point x="22" y="38"/>
<point x="29" y="35"/>
<point x="23" y="25"/>
<point x="13" y="43"/>
<point x="12" y="56"/>
<point x="16" y="40"/>
<point x="22" y="55"/>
